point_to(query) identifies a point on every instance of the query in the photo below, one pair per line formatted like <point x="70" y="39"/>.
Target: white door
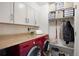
<point x="76" y="30"/>
<point x="6" y="12"/>
<point x="20" y="13"/>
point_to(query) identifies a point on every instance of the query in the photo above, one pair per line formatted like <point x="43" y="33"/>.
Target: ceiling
<point x="41" y="3"/>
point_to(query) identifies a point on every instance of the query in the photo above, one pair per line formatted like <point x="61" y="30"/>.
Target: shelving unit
<point x="54" y="23"/>
<point x="61" y="19"/>
<point x="63" y="15"/>
<point x="61" y="9"/>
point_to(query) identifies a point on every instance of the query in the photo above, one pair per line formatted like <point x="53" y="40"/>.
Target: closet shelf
<point x="59" y="45"/>
<point x="61" y="9"/>
<point x="29" y="25"/>
<point x="51" y="20"/>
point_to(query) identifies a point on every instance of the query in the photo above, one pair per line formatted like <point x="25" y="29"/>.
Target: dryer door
<point x="34" y="51"/>
<point x="46" y="45"/>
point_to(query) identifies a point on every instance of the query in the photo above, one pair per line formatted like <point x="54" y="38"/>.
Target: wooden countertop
<point x="11" y="40"/>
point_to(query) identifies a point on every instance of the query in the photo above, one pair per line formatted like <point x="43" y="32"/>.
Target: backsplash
<point x="13" y="29"/>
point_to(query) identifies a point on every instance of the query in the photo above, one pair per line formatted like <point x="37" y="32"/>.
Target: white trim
<point x="32" y="50"/>
<point x="45" y="43"/>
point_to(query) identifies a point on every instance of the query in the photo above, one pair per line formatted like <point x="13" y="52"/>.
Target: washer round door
<point x="34" y="51"/>
<point x="46" y="45"/>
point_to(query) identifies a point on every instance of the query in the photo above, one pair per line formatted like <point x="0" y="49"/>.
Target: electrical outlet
<point x="28" y="29"/>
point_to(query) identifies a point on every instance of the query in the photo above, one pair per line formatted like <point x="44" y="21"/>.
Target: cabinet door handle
<point x="11" y="17"/>
<point x="27" y="20"/>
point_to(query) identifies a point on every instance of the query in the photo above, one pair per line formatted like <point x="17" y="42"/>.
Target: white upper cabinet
<point x="23" y="14"/>
<point x="6" y="12"/>
<point x="31" y="15"/>
<point x="17" y="13"/>
<point x="20" y="13"/>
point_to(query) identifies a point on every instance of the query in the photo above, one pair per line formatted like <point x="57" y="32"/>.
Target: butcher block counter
<point x="11" y="40"/>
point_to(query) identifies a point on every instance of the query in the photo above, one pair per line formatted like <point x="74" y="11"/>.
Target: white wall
<point x="12" y="29"/>
<point x="43" y="18"/>
<point x="76" y="51"/>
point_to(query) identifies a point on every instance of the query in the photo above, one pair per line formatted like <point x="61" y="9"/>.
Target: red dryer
<point x="42" y="42"/>
<point x="28" y="48"/>
<point x="34" y="47"/>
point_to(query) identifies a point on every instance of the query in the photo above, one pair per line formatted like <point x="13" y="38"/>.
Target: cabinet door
<point x="20" y="13"/>
<point x="6" y="12"/>
<point x="36" y="17"/>
<point x="31" y="15"/>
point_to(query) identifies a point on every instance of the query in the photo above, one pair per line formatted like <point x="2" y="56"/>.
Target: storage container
<point x="59" y="14"/>
<point x="68" y="12"/>
<point x="51" y="15"/>
<point x="52" y="7"/>
<point x="68" y="5"/>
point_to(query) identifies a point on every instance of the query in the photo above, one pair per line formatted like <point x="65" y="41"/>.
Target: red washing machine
<point x="42" y="42"/>
<point x="29" y="48"/>
<point x="45" y="44"/>
<point x="34" y="47"/>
